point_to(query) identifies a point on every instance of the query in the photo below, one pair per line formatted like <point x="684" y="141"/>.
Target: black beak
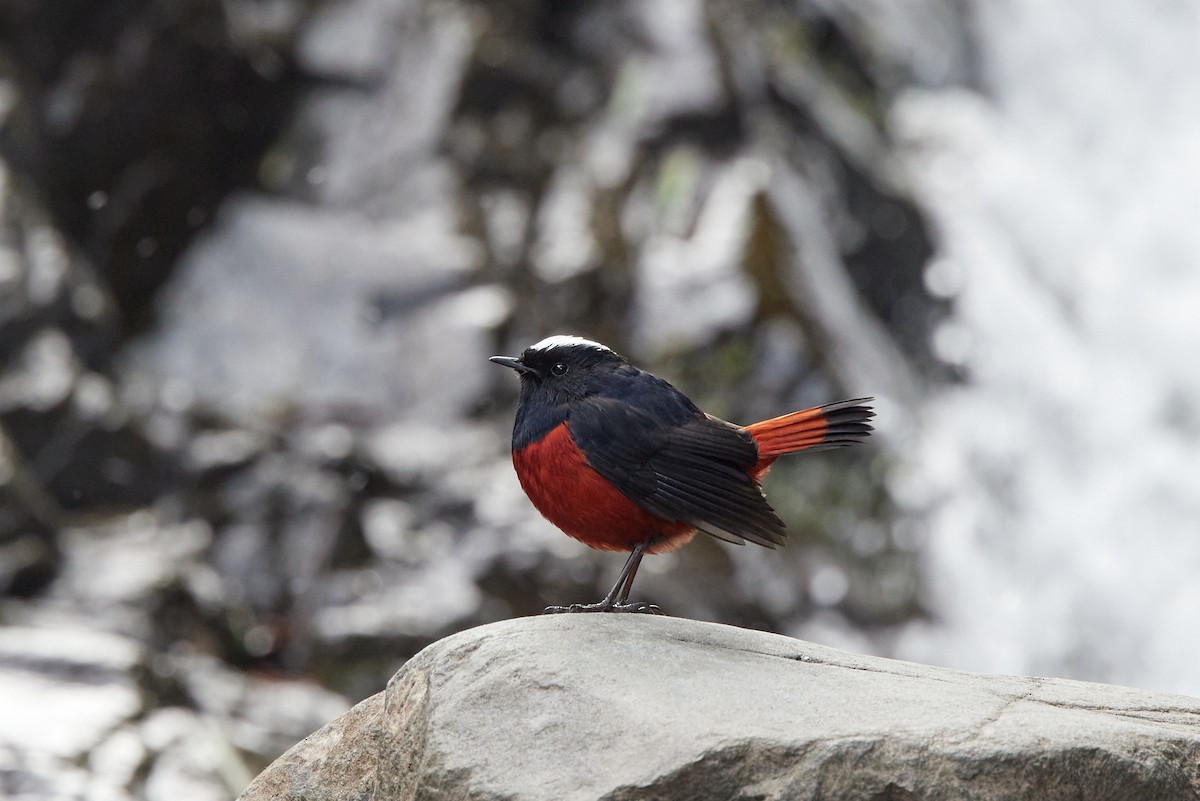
<point x="513" y="362"/>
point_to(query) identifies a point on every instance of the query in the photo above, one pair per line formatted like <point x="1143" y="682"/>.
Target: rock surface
<point x="582" y="707"/>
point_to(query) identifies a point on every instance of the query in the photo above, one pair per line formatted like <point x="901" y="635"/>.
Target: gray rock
<point x="581" y="707"/>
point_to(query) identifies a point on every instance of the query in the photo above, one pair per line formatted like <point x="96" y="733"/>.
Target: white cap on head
<point x="565" y="340"/>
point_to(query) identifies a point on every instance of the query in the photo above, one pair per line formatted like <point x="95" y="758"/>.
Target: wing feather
<point x="695" y="472"/>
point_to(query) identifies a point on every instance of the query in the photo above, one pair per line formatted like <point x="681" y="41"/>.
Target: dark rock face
<point x="136" y="119"/>
<point x="124" y="125"/>
<point x="586" y="707"/>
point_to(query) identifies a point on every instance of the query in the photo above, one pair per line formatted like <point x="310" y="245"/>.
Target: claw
<point x="558" y="610"/>
<point x="639" y="607"/>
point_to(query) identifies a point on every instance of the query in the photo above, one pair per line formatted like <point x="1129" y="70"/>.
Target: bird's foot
<point x="606" y="606"/>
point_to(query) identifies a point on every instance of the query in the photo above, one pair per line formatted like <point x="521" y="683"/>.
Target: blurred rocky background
<point x="253" y="257"/>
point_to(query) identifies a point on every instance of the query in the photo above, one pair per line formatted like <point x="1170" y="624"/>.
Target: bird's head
<point x="563" y="368"/>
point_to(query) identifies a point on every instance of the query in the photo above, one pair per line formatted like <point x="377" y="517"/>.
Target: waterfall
<point x="1061" y="479"/>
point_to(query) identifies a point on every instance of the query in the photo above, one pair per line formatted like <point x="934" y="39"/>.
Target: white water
<point x="1062" y="481"/>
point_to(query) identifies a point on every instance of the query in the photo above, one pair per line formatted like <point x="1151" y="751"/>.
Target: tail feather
<point x="833" y="425"/>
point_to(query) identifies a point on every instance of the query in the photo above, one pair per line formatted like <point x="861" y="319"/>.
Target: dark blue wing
<point x="676" y="463"/>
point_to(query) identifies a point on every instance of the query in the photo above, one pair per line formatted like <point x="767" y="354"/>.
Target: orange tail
<point x="833" y="425"/>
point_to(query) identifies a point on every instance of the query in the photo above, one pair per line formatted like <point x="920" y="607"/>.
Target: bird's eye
<point x="559" y="368"/>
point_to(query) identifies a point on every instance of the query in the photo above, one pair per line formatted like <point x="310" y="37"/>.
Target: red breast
<point x="562" y="485"/>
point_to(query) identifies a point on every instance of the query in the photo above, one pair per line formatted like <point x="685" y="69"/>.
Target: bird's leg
<point x="622" y="600"/>
<point x="616" y="600"/>
<point x="628" y="575"/>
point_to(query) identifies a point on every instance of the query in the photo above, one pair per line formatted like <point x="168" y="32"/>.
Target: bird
<point x="621" y="460"/>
